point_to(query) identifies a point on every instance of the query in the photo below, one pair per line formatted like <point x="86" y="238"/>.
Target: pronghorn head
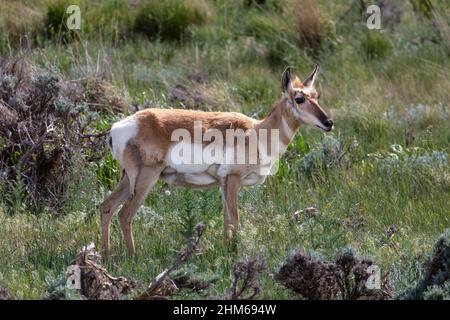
<point x="302" y="99"/>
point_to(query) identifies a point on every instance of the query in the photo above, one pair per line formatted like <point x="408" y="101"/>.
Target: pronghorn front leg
<point x="229" y="187"/>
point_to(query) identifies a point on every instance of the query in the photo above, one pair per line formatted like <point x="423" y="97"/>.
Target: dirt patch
<point x="193" y="93"/>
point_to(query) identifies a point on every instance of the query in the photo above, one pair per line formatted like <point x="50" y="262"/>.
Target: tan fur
<point x="156" y="127"/>
<point x="230" y="187"/>
<point x="144" y="157"/>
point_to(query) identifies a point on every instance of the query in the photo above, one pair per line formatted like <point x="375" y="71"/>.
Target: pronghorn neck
<point x="282" y="118"/>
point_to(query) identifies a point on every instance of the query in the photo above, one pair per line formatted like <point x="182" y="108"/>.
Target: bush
<point x="47" y="136"/>
<point x="329" y="153"/>
<point x="309" y="276"/>
<point x="376" y="45"/>
<point x="435" y="281"/>
<point x="113" y="20"/>
<point x="422" y="8"/>
<point x="414" y="158"/>
<point x="263" y="4"/>
<point x="55" y="21"/>
<point x="170" y="19"/>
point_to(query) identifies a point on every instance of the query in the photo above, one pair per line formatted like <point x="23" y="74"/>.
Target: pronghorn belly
<point x="253" y="179"/>
<point x="211" y="177"/>
<point x="195" y="180"/>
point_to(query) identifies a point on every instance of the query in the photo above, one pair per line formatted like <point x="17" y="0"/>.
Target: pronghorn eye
<point x="300" y="99"/>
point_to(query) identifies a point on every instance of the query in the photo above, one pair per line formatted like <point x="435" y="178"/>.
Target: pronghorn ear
<point x="286" y="79"/>
<point x="309" y="82"/>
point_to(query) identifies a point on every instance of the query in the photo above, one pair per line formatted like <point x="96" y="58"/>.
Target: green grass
<point x="372" y="83"/>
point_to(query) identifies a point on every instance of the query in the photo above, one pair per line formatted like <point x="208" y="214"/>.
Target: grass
<point x="372" y="82"/>
<point x="170" y="20"/>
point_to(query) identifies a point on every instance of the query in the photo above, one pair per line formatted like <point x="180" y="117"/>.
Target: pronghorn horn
<point x="286" y="78"/>
<point x="309" y="82"/>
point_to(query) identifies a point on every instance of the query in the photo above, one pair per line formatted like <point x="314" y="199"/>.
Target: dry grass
<point x="308" y="23"/>
<point x="13" y="24"/>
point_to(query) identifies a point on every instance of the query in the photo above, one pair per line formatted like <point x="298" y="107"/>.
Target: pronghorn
<point x="143" y="144"/>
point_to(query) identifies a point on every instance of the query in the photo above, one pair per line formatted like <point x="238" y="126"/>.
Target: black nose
<point x="329" y="123"/>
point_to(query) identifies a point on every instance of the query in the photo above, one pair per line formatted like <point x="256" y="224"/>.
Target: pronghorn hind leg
<point x="109" y="206"/>
<point x="230" y="187"/>
<point x="146" y="179"/>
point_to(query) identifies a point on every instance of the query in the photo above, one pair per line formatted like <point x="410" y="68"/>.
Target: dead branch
<point x="245" y="273"/>
<point x="160" y="283"/>
<point x="96" y="282"/>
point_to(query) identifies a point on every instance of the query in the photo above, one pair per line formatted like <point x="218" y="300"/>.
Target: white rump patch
<point x="121" y="133"/>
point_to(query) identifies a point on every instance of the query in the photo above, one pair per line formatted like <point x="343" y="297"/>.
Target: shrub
<point x="263" y="4"/>
<point x="109" y="20"/>
<point x="55" y="21"/>
<point x="435" y="281"/>
<point x="422" y="8"/>
<point x="113" y="20"/>
<point x="308" y="275"/>
<point x="47" y="136"/>
<point x="170" y="19"/>
<point x="414" y="158"/>
<point x="330" y="153"/>
<point x="376" y="45"/>
<point x="437" y="293"/>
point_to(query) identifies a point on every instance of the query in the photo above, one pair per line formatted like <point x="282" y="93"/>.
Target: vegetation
<point x="379" y="183"/>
